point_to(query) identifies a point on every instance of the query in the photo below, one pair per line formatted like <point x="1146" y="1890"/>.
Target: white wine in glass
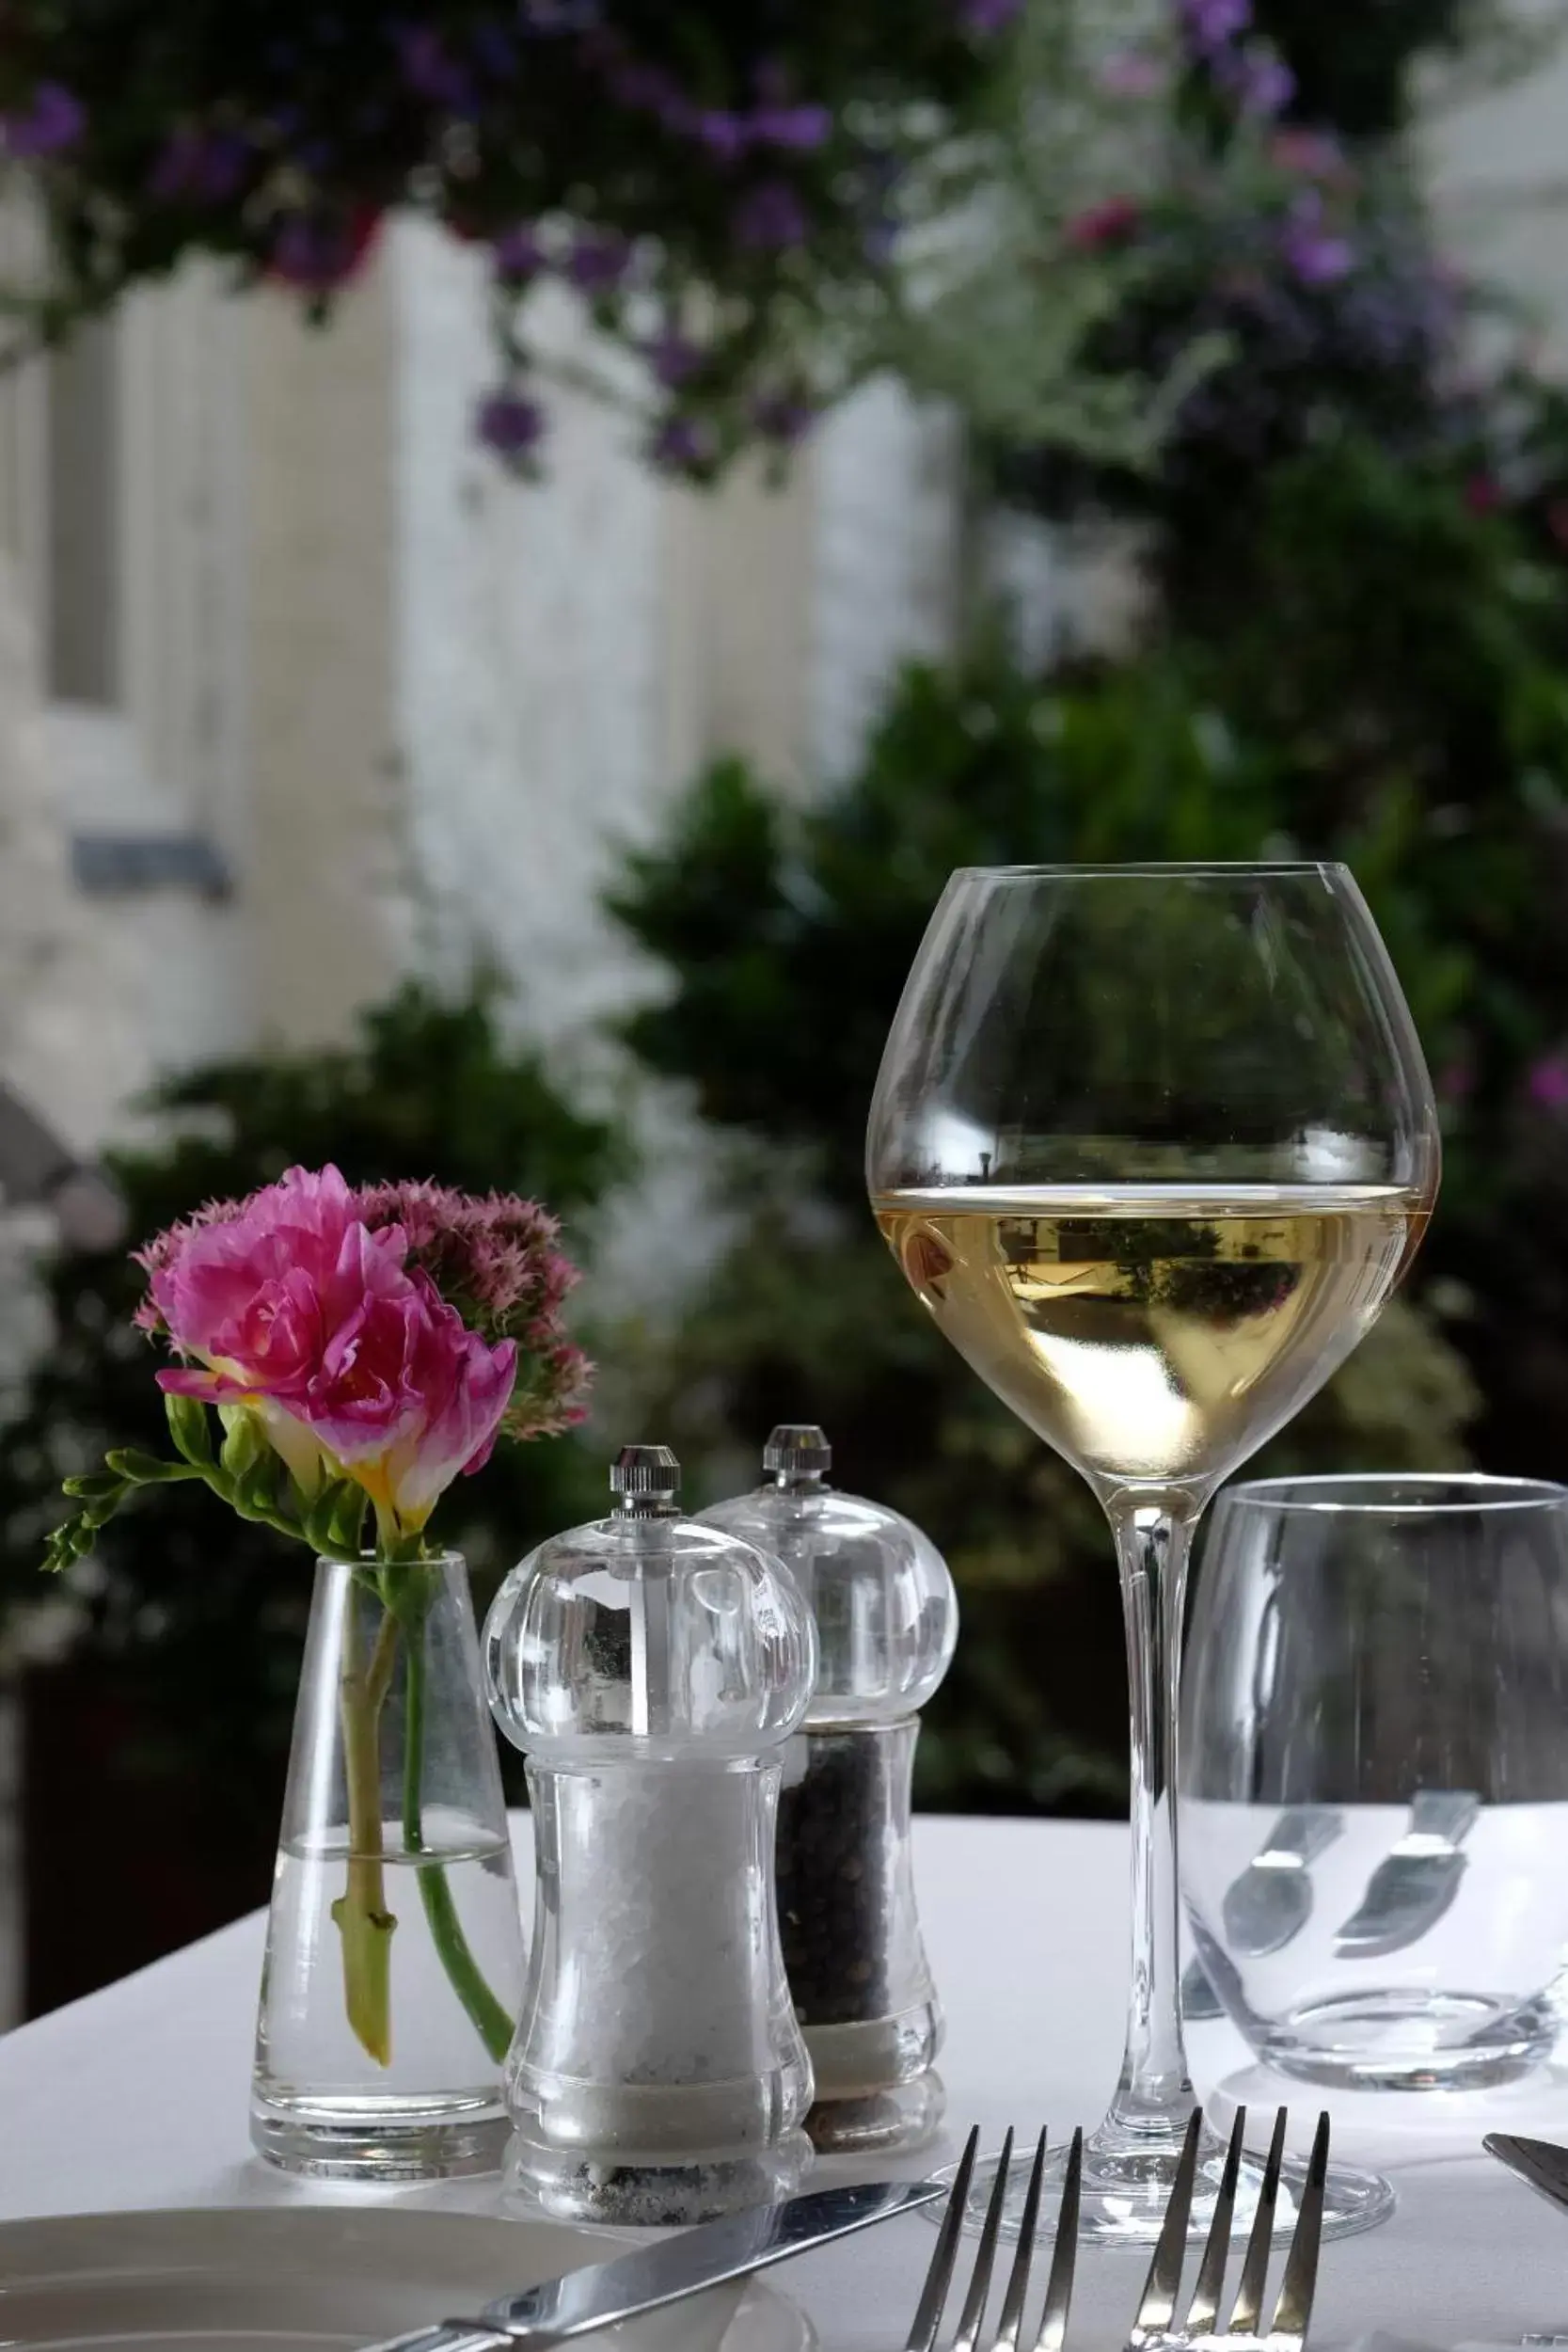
<point x="1154" y="1145"/>
<point x="1158" y="1333"/>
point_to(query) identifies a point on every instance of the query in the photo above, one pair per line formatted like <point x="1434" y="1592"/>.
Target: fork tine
<point x="1255" y="2270"/>
<point x="1058" y="2291"/>
<point x="979" y="2286"/>
<point x="1158" y="2307"/>
<point x="1211" y="2278"/>
<point x="1018" y="2284"/>
<point x="1294" y="2307"/>
<point x="933" y="2295"/>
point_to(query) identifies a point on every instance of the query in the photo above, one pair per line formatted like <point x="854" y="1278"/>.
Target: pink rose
<point x="292" y="1304"/>
<point x="405" y="1397"/>
<point x="255" y="1295"/>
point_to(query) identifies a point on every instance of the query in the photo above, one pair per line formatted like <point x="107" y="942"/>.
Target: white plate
<point x="322" y="2279"/>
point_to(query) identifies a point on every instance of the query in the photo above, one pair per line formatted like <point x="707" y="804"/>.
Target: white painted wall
<point x="528" y="677"/>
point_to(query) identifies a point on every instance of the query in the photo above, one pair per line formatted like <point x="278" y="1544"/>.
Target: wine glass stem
<point x="1154" y="2096"/>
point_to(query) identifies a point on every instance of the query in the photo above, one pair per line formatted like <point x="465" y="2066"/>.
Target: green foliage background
<point x="1356" y="649"/>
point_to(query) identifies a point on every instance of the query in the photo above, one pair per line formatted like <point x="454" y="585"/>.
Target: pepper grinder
<point x="886" y="1618"/>
<point x="653" y="1671"/>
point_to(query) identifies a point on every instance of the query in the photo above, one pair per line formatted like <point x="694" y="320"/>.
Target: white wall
<point x="1498" y="163"/>
<point x="569" y="655"/>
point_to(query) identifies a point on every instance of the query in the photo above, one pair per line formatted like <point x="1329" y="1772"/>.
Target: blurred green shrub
<point x="787" y="934"/>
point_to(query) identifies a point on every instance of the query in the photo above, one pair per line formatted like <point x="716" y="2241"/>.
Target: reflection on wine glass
<point x="1154" y="1145"/>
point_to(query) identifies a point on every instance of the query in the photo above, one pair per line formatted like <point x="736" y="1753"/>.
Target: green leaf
<point x="348" y="1519"/>
<point x="256" y="1491"/>
<point x="147" y="1470"/>
<point x="64" y="1547"/>
<point x="330" y="1510"/>
<point x="244" y="1445"/>
<point x="190" y="1429"/>
<point x="98" y="1487"/>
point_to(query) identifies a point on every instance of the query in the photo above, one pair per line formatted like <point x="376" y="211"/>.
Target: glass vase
<point x="394" y="1964"/>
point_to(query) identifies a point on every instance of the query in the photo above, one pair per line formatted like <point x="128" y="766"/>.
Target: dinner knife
<point x="1272" y="1900"/>
<point x="709" y="2255"/>
<point x="1537" y="2161"/>
<point x="1413" y="1886"/>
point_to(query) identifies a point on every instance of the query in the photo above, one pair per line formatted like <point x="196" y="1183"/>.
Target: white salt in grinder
<point x="886" y="1620"/>
<point x="653" y="1670"/>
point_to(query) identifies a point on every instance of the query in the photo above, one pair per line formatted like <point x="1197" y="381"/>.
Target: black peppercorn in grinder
<point x="886" y="1622"/>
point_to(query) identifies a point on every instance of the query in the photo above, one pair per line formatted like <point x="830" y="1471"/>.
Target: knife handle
<point x="1448" y="1814"/>
<point x="1305" y="1830"/>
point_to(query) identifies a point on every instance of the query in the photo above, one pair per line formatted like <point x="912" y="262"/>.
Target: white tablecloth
<point x="137" y="2097"/>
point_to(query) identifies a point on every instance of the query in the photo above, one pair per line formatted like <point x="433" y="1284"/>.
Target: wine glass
<point x="1154" y="1144"/>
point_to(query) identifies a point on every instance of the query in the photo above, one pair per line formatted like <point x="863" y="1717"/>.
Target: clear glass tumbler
<point x="1374" y="1774"/>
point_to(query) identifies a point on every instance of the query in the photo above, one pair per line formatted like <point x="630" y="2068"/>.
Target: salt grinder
<point x="652" y="1669"/>
<point x="886" y="1620"/>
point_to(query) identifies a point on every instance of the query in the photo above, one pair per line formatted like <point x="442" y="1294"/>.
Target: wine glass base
<point x="1126" y="2192"/>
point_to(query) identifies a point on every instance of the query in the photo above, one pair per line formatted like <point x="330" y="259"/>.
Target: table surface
<point x="137" y="2097"/>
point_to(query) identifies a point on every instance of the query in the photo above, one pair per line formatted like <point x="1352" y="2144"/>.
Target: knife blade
<point x="1414" y="1885"/>
<point x="1537" y="2161"/>
<point x="710" y="2255"/>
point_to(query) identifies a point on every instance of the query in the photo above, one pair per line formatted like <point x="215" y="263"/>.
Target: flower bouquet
<point x="343" y="1355"/>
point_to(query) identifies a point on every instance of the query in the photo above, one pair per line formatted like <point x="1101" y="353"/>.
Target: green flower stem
<point x="490" y="2021"/>
<point x="361" y="1912"/>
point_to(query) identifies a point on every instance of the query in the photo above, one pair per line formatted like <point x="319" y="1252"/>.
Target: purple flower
<point x="801" y="128"/>
<point x="674" y="358"/>
<point x="1320" y="260"/>
<point x="510" y="422"/>
<point x="208" y="165"/>
<point x="317" y="251"/>
<point x="518" y="255"/>
<point x="1547" y="1082"/>
<point x="600" y="259"/>
<point x="684" y="445"/>
<point x="726" y="136"/>
<point x="1265" y="83"/>
<point x="1132" y="74"/>
<point x="1315" y="258"/>
<point x="1210" y="26"/>
<point x="54" y="121"/>
<point x="771" y="217"/>
<point x="783" y="416"/>
<point x="648" y="88"/>
<point x="1315" y="255"/>
<point x="431" y="71"/>
<point x="986" y="17"/>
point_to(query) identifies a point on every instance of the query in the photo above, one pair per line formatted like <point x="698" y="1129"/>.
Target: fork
<point x="1155" y="2330"/>
<point x="1058" y="2291"/>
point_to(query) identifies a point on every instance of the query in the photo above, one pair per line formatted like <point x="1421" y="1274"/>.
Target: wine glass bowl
<point x="1153" y="1145"/>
